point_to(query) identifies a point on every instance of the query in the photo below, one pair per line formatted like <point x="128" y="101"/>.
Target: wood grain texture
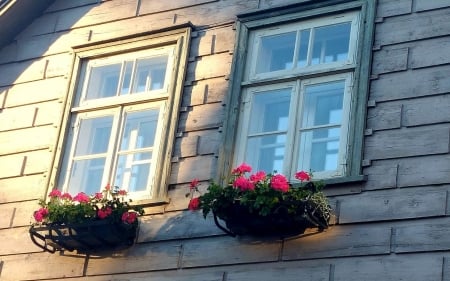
<point x="424" y="170"/>
<point x="381" y="175"/>
<point x="427" y="111"/>
<point x="390" y="60"/>
<point x="423" y="5"/>
<point x="18" y="140"/>
<point x="22" y="188"/>
<point x="388" y="8"/>
<point x="384" y="116"/>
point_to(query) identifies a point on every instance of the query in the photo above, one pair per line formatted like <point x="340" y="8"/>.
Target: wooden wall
<point x="394" y="226"/>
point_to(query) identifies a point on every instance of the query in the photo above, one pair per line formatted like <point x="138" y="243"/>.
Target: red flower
<point x="194" y="183"/>
<point x="81" y="197"/>
<point x="243" y="184"/>
<point x="129" y="217"/>
<point x="55" y="193"/>
<point x="122" y="192"/>
<point x="243" y="168"/>
<point x="66" y="196"/>
<point x="259" y="176"/>
<point x="108" y="187"/>
<point x="40" y="214"/>
<point x="194" y="204"/>
<point x="98" y="195"/>
<point x="103" y="213"/>
<point x="302" y="176"/>
<point x="279" y="182"/>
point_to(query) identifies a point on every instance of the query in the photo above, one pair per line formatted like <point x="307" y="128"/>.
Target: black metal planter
<point x="86" y="237"/>
<point x="239" y="221"/>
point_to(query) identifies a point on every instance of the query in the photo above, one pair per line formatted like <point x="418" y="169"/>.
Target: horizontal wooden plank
<point x="388" y="8"/>
<point x="209" y="67"/>
<point x="411" y="84"/>
<point x="389" y="268"/>
<point x="380" y="175"/>
<point x="34" y="92"/>
<point x="427" y="110"/>
<point x="41" y="266"/>
<point x="22" y="188"/>
<point x="340" y="241"/>
<point x="424" y="170"/>
<point x="28" y="163"/>
<point x="19" y="140"/>
<point x="207" y="116"/>
<point x="423" y="237"/>
<point x="227" y="250"/>
<point x="177" y="225"/>
<point x="424" y="5"/>
<point x="7" y="216"/>
<point x="205" y="91"/>
<point x="392" y="205"/>
<point x="275" y="3"/>
<point x="412" y="27"/>
<point x="384" y="116"/>
<point x="285" y="272"/>
<point x="390" y="60"/>
<point x="200" y="167"/>
<point x="140" y="257"/>
<point x="63" y="5"/>
<point x="17" y="236"/>
<point x="428" y="53"/>
<point x="177" y="194"/>
<point x="211" y="41"/>
<point x="186" y="146"/>
<point x="407" y="142"/>
<point x="151" y="7"/>
<point x="23" y="211"/>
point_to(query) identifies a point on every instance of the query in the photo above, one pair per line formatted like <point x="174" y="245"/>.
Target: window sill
<point x="151" y="202"/>
<point x="341" y="180"/>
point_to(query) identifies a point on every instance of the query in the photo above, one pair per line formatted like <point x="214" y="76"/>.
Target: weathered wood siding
<point x="394" y="226"/>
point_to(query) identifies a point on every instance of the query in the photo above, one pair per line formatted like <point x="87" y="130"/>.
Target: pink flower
<point x="243" y="168"/>
<point x="103" y="213"/>
<point x="40" y="214"/>
<point x="66" y="196"/>
<point x="243" y="184"/>
<point x="302" y="176"/>
<point x="129" y="217"/>
<point x="279" y="182"/>
<point x="194" y="204"/>
<point x="81" y="197"/>
<point x="122" y="192"/>
<point x="259" y="176"/>
<point x="55" y="193"/>
<point x="98" y="195"/>
<point x="194" y="183"/>
<point x="108" y="187"/>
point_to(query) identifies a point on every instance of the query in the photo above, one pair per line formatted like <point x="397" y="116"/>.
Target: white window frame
<point x="173" y="43"/>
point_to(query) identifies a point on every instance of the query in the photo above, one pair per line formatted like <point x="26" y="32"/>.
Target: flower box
<point x="84" y="237"/>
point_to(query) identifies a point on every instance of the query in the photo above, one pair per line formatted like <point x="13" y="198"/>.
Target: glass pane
<point x="319" y="150"/>
<point x="126" y="80"/>
<point x="94" y="135"/>
<point x="266" y="152"/>
<point x="150" y="74"/>
<point x="276" y="52"/>
<point x="140" y="129"/>
<point x="323" y="104"/>
<point x="331" y="43"/>
<point x="303" y="48"/>
<point x="86" y="176"/>
<point x="270" y="111"/>
<point x="133" y="171"/>
<point x="103" y="81"/>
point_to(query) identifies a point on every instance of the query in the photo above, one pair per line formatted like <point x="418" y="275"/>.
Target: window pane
<point x="86" y="176"/>
<point x="270" y="111"/>
<point x="94" y="135"/>
<point x="150" y="74"/>
<point x="140" y="129"/>
<point x="126" y="79"/>
<point x="266" y="152"/>
<point x="276" y="52"/>
<point x="319" y="150"/>
<point x="331" y="43"/>
<point x="303" y="48"/>
<point x="133" y="171"/>
<point x="323" y="104"/>
<point x="103" y="81"/>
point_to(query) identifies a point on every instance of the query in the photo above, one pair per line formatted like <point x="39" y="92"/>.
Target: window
<point x="123" y="118"/>
<point x="299" y="90"/>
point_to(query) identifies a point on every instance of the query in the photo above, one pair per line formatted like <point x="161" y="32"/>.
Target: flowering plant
<point x="264" y="195"/>
<point x="110" y="205"/>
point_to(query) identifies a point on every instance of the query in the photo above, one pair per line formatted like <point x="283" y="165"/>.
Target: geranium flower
<point x="279" y="182"/>
<point x="302" y="176"/>
<point x="259" y="176"/>
<point x="122" y="192"/>
<point x="103" y="213"/>
<point x="98" y="195"/>
<point x="81" y="197"/>
<point x="194" y="204"/>
<point x="129" y="217"/>
<point x="40" y="214"/>
<point x="243" y="184"/>
<point x="243" y="168"/>
<point x="55" y="193"/>
<point x="194" y="183"/>
<point x="66" y="196"/>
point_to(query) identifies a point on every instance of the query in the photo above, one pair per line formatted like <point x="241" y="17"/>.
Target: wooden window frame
<point x="249" y="23"/>
<point x="176" y="38"/>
